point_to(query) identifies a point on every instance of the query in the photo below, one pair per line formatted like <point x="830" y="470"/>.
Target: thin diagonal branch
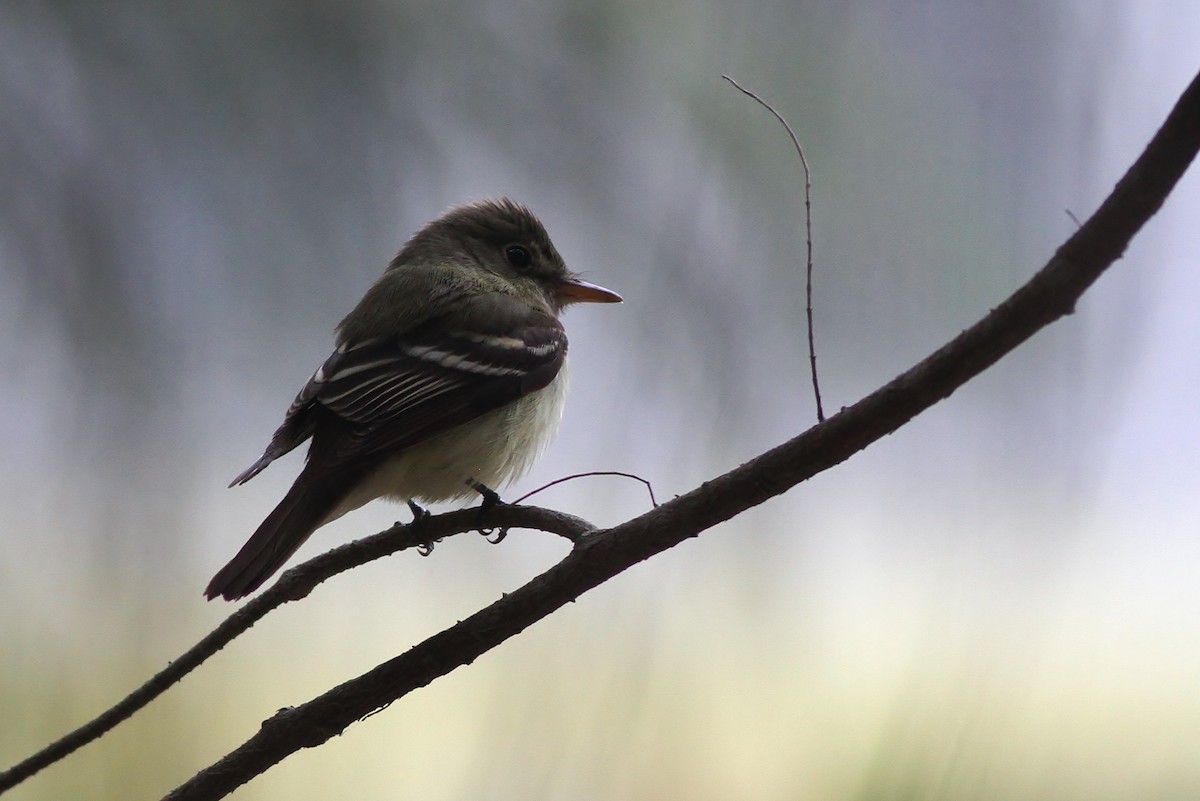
<point x="293" y="585"/>
<point x="597" y="557"/>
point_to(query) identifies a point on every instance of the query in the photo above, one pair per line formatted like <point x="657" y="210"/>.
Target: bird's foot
<point x="491" y="499"/>
<point x="420" y="515"/>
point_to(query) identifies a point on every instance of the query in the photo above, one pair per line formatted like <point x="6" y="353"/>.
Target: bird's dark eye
<point x="518" y="256"/>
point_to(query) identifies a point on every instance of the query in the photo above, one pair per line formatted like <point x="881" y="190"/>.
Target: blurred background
<point x="997" y="602"/>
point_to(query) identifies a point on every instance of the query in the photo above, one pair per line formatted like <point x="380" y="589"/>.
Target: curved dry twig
<point x="589" y="474"/>
<point x="808" y="239"/>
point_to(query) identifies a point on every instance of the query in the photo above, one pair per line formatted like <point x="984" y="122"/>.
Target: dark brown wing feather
<point x="371" y="400"/>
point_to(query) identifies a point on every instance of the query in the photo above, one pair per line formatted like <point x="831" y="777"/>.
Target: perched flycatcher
<point x="449" y="374"/>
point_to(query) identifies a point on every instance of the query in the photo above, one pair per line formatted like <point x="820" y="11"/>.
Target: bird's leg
<point x="491" y="499"/>
<point x="420" y="515"/>
<point x="419" y="512"/>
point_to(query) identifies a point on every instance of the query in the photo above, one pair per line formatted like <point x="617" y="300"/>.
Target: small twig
<point x="808" y="288"/>
<point x="564" y="479"/>
<point x="1074" y="219"/>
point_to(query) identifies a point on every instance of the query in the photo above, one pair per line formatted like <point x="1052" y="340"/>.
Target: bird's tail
<point x="301" y="512"/>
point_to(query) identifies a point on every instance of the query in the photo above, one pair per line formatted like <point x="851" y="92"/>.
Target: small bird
<point x="448" y="378"/>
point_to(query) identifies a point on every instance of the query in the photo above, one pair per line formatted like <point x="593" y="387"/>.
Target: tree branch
<point x="293" y="585"/>
<point x="600" y="555"/>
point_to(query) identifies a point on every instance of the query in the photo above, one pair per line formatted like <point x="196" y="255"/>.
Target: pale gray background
<point x="997" y="602"/>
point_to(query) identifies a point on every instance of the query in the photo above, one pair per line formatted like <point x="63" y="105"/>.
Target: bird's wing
<point x="383" y="395"/>
<point x="393" y="395"/>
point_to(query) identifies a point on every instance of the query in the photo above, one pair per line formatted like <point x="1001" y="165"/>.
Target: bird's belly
<point x="493" y="449"/>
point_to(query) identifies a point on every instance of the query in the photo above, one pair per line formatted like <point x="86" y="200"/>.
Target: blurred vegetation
<point x="997" y="602"/>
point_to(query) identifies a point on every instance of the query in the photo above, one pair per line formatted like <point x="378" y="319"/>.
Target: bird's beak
<point x="576" y="290"/>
